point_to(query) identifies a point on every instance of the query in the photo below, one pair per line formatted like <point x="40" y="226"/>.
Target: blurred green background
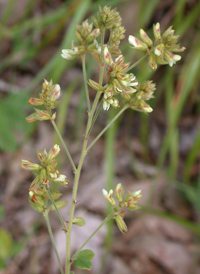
<point x="32" y="34"/>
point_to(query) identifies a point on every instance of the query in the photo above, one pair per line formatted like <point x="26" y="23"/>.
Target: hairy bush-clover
<point x="121" y="90"/>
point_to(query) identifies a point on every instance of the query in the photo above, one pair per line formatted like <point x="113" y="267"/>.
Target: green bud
<point x="79" y="221"/>
<point x="119" y="191"/>
<point x="27" y="164"/>
<point x="121" y="224"/>
<point x="95" y="85"/>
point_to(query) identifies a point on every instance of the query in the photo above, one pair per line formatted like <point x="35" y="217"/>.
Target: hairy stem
<point x="52" y="240"/>
<point x="78" y="171"/>
<point x="85" y="82"/>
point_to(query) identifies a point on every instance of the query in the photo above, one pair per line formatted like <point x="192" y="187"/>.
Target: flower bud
<point x="136" y="43"/>
<point x="132" y="198"/>
<point x="158" y="50"/>
<point x="53" y="152"/>
<point x="119" y="191"/>
<point x="61" y="180"/>
<point x="32" y="118"/>
<point x="42" y="114"/>
<point x="121" y="224"/>
<point x="171" y="58"/>
<point x="108" y="196"/>
<point x="43" y="175"/>
<point x="78" y="221"/>
<point x="26" y="164"/>
<point x="90" y="38"/>
<point x="36" y="101"/>
<point x="55" y="93"/>
<point x="35" y="183"/>
<point x="145" y="38"/>
<point x="36" y="202"/>
<point x="156" y="31"/>
<point x="95" y="85"/>
<point x="152" y="61"/>
<point x="41" y="156"/>
<point x="107" y="56"/>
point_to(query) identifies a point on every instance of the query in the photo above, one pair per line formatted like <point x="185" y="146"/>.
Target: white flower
<point x="106" y="105"/>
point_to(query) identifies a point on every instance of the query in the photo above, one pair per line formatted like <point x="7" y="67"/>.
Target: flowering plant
<point x="121" y="89"/>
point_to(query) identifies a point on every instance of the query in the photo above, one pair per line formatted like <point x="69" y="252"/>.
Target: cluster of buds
<point x="129" y="202"/>
<point x="161" y="50"/>
<point x="39" y="197"/>
<point x="119" y="82"/>
<point x="144" y="93"/>
<point x="110" y="19"/>
<point x="46" y="171"/>
<point x="50" y="93"/>
<point x="86" y="37"/>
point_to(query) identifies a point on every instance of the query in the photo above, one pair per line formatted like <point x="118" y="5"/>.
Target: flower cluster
<point x="129" y="202"/>
<point x="45" y="172"/>
<point x="161" y="51"/>
<point x="50" y="93"/>
<point x="143" y="93"/>
<point x="86" y="37"/>
<point x="110" y="19"/>
<point x="39" y="197"/>
<point x="119" y="82"/>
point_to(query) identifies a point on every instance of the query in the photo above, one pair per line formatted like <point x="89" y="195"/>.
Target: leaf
<point x="71" y="272"/>
<point x="6" y="243"/>
<point x="83" y="263"/>
<point x="86" y="254"/>
<point x="59" y="205"/>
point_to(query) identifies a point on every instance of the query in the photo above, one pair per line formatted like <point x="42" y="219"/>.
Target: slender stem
<point x="95" y="116"/>
<point x="109" y="124"/>
<point x="78" y="171"/>
<point x="54" y="204"/>
<point x="64" y="145"/>
<point x="52" y="240"/>
<point x="85" y="82"/>
<point x="103" y="223"/>
<point x="136" y="63"/>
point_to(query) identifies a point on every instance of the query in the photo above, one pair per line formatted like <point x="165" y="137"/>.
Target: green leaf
<point x="83" y="263"/>
<point x="6" y="243"/>
<point x="59" y="204"/>
<point x="86" y="254"/>
<point x="71" y="272"/>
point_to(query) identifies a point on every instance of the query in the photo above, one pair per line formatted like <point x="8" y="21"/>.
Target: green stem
<point x="54" y="204"/>
<point x="95" y="116"/>
<point x="109" y="124"/>
<point x="85" y="82"/>
<point x="136" y="63"/>
<point x="78" y="171"/>
<point x="64" y="145"/>
<point x="103" y="223"/>
<point x="52" y="240"/>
